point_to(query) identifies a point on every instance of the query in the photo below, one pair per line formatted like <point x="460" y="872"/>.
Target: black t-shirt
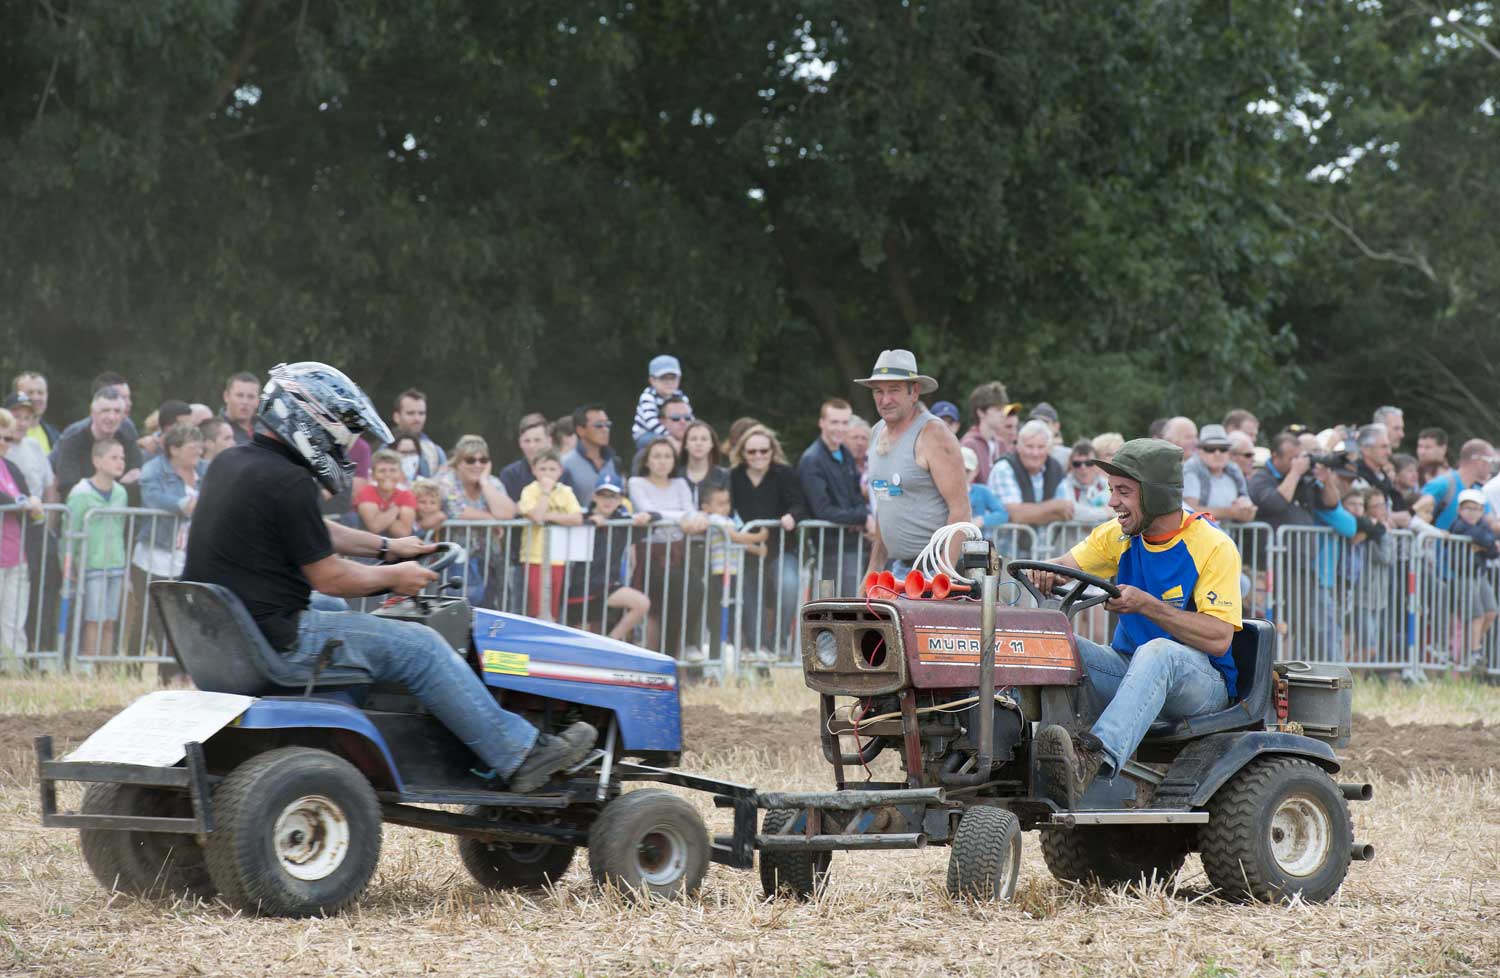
<point x="257" y="524"/>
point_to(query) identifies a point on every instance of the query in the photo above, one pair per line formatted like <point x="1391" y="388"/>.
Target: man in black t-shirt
<point x="257" y="531"/>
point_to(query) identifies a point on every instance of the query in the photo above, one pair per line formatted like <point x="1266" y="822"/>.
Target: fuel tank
<point x="857" y="648"/>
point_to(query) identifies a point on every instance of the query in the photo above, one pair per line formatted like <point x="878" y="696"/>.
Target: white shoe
<point x="693" y="654"/>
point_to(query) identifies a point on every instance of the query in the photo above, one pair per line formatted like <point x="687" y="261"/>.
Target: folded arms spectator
<point x="1029" y="481"/>
<point x="71" y="459"/>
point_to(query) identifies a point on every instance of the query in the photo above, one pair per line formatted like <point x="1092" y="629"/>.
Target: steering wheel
<point x="446" y="555"/>
<point x="1074" y="601"/>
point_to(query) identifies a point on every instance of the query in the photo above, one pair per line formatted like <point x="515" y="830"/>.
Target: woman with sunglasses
<point x="762" y="486"/>
<point x="1086" y="484"/>
<point x="470" y="489"/>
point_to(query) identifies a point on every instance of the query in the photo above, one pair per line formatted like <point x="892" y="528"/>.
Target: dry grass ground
<point x="1429" y="905"/>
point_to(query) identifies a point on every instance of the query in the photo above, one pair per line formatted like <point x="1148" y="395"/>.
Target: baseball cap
<point x="608" y="485"/>
<point x="946" y="410"/>
<point x="1471" y="496"/>
<point x="971" y="459"/>
<point x="1044" y="411"/>
<point x="1213" y="435"/>
<point x="665" y="364"/>
<point x="17" y="399"/>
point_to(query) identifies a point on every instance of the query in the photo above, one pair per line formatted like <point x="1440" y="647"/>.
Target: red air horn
<point x="914" y="584"/>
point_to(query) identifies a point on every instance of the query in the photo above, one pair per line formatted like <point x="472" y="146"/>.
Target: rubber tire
<point x="511" y="866"/>
<point x="1113" y="855"/>
<point x="616" y="834"/>
<point x="984" y="860"/>
<point x="143" y="864"/>
<point x="241" y="850"/>
<point x="784" y="873"/>
<point x="1236" y="842"/>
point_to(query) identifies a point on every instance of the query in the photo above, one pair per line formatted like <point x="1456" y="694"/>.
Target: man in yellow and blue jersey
<point x="1179" y="607"/>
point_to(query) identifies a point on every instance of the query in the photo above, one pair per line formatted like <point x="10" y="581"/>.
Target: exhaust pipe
<point x="1362" y="852"/>
<point x="985" y="708"/>
<point x="1357" y="792"/>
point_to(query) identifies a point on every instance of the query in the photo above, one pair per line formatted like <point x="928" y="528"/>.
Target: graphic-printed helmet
<point x="320" y="413"/>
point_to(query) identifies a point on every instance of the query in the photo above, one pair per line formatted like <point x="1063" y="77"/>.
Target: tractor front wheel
<point x="985" y="858"/>
<point x="801" y="875"/>
<point x="512" y="865"/>
<point x="649" y="842"/>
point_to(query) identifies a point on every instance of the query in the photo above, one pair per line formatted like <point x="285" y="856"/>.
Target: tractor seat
<point x="1254" y="651"/>
<point x="219" y="645"/>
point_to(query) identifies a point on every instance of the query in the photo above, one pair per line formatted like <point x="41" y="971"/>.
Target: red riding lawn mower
<point x="958" y="687"/>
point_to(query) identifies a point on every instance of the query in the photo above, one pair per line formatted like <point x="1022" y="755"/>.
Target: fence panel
<point x="114" y="557"/>
<point x="1457" y="597"/>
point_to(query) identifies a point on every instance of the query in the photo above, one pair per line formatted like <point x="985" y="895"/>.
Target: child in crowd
<point x="724" y="564"/>
<point x="1485" y="548"/>
<point x="101" y="556"/>
<point x="429" y="507"/>
<point x="989" y="512"/>
<point x="385" y="507"/>
<point x="547" y="500"/>
<point x="664" y="377"/>
<point x="598" y="584"/>
<point x="1375" y="632"/>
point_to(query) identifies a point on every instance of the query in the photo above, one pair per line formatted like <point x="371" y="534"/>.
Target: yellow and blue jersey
<point x="1197" y="569"/>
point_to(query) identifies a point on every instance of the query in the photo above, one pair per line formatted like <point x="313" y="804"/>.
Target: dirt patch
<point x="18" y="756"/>
<point x="712" y="729"/>
<point x="1397" y="751"/>
<point x="1378" y="748"/>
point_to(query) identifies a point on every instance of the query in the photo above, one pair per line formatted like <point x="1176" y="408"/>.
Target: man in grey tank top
<point x="916" y="473"/>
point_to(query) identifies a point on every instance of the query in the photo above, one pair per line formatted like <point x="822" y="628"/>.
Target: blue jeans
<point x="417" y="657"/>
<point x="1164" y="680"/>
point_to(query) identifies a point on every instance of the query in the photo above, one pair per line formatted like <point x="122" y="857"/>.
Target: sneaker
<point x="693" y="654"/>
<point x="1068" y="765"/>
<point x="551" y="754"/>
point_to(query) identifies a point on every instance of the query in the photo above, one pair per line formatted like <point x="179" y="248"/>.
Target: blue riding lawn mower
<point x="269" y="792"/>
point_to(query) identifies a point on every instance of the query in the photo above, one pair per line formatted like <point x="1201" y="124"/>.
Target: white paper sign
<point x="579" y="541"/>
<point x="153" y="729"/>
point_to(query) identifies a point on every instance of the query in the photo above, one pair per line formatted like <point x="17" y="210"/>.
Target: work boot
<point x="551" y="754"/>
<point x="1068" y="764"/>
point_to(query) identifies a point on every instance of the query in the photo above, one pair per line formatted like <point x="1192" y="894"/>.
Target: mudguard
<point x="1204" y="765"/>
<point x="293" y="713"/>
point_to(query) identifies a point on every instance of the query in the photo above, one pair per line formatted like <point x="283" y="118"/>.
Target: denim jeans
<point x="417" y="657"/>
<point x="1164" y="680"/>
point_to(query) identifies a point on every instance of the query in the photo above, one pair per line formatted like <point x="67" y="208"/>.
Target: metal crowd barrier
<point x="1407" y="602"/>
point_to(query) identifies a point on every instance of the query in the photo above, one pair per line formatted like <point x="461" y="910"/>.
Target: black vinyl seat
<point x="1254" y="651"/>
<point x="221" y="648"/>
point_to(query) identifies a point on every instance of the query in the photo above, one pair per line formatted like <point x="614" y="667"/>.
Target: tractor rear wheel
<point x="1112" y="855"/>
<point x="985" y="858"/>
<point x="649" y="842"/>
<point x="801" y="875"/>
<point x="512" y="865"/>
<point x="1278" y="829"/>
<point x="143" y="863"/>
<point x="298" y="834"/>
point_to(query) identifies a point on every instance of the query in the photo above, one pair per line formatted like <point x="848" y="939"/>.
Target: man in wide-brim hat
<point x="916" y="473"/>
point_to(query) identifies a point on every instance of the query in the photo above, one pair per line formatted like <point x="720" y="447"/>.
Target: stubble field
<point x="1428" y="905"/>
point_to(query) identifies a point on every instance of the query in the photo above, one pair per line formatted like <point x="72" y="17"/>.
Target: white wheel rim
<point x="1011" y="867"/>
<point x="1300" y="836"/>
<point x="661" y="856"/>
<point x="311" y="837"/>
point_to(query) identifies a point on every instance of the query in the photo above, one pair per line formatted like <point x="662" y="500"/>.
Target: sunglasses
<point x="1082" y="463"/>
<point x="10" y="439"/>
<point x="477" y="459"/>
<point x="679" y="417"/>
<point x="757" y="451"/>
<point x="1215" y="449"/>
<point x="601" y="424"/>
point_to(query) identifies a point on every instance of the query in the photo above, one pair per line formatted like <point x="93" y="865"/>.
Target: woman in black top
<point x="698" y="462"/>
<point x="763" y="487"/>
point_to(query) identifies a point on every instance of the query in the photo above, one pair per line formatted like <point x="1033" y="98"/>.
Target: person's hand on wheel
<point x="1132" y="601"/>
<point x="408" y="548"/>
<point x="1044" y="581"/>
<point x="410" y="578"/>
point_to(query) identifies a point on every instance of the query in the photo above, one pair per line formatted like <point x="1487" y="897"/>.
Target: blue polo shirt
<point x="1447" y="487"/>
<point x="1197" y="569"/>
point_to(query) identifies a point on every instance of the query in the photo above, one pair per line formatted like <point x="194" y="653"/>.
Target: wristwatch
<point x="385" y="549"/>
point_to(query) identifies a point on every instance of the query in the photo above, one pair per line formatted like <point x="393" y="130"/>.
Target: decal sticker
<point x="507" y="663"/>
<point x="962" y="647"/>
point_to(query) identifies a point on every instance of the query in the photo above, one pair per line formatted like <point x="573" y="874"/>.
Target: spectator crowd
<point x="691" y="487"/>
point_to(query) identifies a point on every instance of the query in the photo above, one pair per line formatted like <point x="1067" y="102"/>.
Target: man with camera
<point x="1293" y="485"/>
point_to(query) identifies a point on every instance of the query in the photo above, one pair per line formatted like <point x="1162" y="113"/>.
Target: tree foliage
<point x="515" y="205"/>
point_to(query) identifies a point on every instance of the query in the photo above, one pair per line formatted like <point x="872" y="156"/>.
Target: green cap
<point x="1157" y="466"/>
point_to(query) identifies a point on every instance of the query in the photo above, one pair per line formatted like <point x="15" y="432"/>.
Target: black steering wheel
<point x="446" y="555"/>
<point x="1074" y="601"/>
